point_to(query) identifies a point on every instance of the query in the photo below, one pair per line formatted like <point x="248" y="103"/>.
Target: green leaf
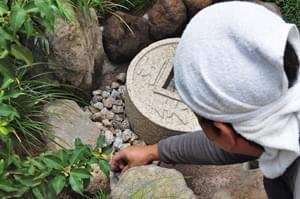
<point x="21" y="191"/>
<point x="107" y="150"/>
<point x="100" y="141"/>
<point x="64" y="156"/>
<point x="53" y="162"/>
<point x="3" y="8"/>
<point x="7" y="110"/>
<point x="44" y="174"/>
<point x="22" y="53"/>
<point x="4" y="130"/>
<point x="104" y="167"/>
<point x="81" y="173"/>
<point x="76" y="184"/>
<point x="37" y="164"/>
<point x="7" y="186"/>
<point x="17" y="18"/>
<point x="31" y="170"/>
<point x="2" y="166"/>
<point x="6" y="83"/>
<point x="28" y="27"/>
<point x="37" y="192"/>
<point x="6" y="69"/>
<point x="58" y="183"/>
<point x="76" y="156"/>
<point x="78" y="143"/>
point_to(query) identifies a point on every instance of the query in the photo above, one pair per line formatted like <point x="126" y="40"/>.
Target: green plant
<point x="50" y="173"/>
<point x="290" y="10"/>
<point x="136" y="4"/>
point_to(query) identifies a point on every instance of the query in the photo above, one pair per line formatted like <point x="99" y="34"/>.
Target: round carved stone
<point x="154" y="109"/>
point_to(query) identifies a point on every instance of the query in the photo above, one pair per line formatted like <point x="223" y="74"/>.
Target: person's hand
<point x="134" y="156"/>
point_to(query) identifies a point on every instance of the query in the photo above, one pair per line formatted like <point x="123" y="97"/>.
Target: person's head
<point x="229" y="64"/>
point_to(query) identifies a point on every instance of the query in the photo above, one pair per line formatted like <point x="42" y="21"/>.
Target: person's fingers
<point x="125" y="168"/>
<point x="117" y="161"/>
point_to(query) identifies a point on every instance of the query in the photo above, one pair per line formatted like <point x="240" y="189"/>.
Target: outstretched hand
<point x="134" y="156"/>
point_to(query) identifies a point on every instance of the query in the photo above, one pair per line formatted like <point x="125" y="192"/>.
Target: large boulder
<point x="67" y="122"/>
<point x="193" y="6"/>
<point x="167" y="19"/>
<point x="151" y="181"/>
<point x="77" y="50"/>
<point x="123" y="39"/>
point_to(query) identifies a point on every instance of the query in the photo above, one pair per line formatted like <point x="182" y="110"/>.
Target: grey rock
<point x="67" y="122"/>
<point x="98" y="105"/>
<point x="78" y="51"/>
<point x="108" y="89"/>
<point x="193" y="6"/>
<point x="117" y="109"/>
<point x="105" y="94"/>
<point x="125" y="124"/>
<point x="117" y="124"/>
<point x="96" y="98"/>
<point x="120" y="43"/>
<point x="97" y="92"/>
<point x="115" y="85"/>
<point x="107" y="114"/>
<point x="125" y="145"/>
<point x="109" y="137"/>
<point x="138" y="142"/>
<point x="122" y="90"/>
<point x="119" y="117"/>
<point x="149" y="182"/>
<point x="127" y="135"/>
<point x="99" y="125"/>
<point x="93" y="109"/>
<point x="118" y="102"/>
<point x="121" y="78"/>
<point x="167" y="18"/>
<point x="118" y="143"/>
<point x="99" y="181"/>
<point x="106" y="123"/>
<point x="115" y="94"/>
<point x="108" y="103"/>
<point x="118" y="133"/>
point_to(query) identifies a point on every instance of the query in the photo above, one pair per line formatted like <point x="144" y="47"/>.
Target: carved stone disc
<point x="151" y="89"/>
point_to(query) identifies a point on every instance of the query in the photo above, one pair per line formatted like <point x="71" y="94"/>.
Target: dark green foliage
<point x="290" y="10"/>
<point x="50" y="173"/>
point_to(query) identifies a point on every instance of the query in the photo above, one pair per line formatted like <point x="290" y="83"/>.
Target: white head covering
<point x="229" y="67"/>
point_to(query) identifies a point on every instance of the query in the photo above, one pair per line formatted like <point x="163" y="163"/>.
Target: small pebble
<point x="115" y="94"/>
<point x="118" y="143"/>
<point x="121" y="78"/>
<point x="118" y="117"/>
<point x="106" y="123"/>
<point x="98" y="106"/>
<point x="97" y="92"/>
<point x="109" y="137"/>
<point x="117" y="109"/>
<point x="115" y="85"/>
<point x="125" y="124"/>
<point x="105" y="94"/>
<point x="108" y="103"/>
<point x="126" y="135"/>
<point x="118" y="102"/>
<point x="106" y="114"/>
<point x="118" y="133"/>
<point x="123" y="146"/>
<point x="100" y="125"/>
<point x="108" y="89"/>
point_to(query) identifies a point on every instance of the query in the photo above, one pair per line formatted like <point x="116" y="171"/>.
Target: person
<point x="236" y="67"/>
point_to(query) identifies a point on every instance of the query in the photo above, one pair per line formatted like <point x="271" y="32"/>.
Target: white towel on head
<point x="229" y="67"/>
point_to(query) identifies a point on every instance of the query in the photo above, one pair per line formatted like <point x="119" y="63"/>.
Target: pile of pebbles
<point x="107" y="110"/>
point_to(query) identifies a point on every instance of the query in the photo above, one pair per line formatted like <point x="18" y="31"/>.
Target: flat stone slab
<point x="68" y="122"/>
<point x="154" y="108"/>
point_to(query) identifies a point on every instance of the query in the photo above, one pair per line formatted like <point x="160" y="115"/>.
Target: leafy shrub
<point x="50" y="173"/>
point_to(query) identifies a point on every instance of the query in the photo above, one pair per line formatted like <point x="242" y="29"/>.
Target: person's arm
<point x="191" y="148"/>
<point x="196" y="148"/>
